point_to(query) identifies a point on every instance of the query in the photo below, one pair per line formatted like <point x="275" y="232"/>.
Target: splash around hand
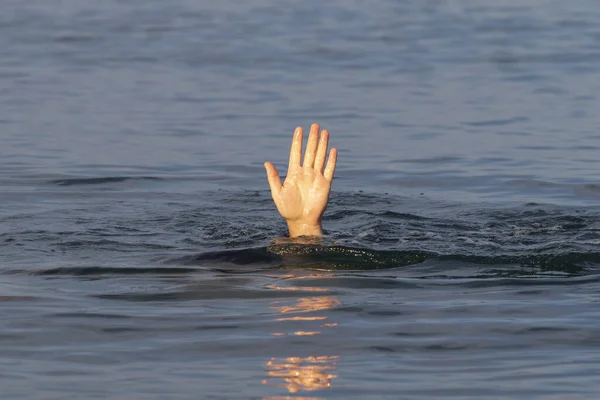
<point x="303" y="196"/>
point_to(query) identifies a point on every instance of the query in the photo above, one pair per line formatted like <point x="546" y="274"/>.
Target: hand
<point x="302" y="198"/>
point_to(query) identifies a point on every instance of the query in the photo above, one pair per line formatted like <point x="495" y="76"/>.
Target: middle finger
<point x="311" y="146"/>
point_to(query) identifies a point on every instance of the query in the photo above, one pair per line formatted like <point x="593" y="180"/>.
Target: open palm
<point x="303" y="196"/>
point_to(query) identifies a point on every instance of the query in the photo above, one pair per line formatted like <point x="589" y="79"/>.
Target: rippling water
<point x="141" y="255"/>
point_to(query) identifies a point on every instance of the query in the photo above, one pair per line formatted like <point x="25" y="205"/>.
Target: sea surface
<point x="141" y="255"/>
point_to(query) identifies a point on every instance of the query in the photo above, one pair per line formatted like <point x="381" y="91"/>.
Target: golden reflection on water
<point x="301" y="319"/>
<point x="302" y="373"/>
<point x="298" y="374"/>
<point x="292" y="398"/>
<point x="294" y="288"/>
<point x="308" y="304"/>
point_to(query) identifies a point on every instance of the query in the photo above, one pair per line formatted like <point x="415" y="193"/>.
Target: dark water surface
<point x="140" y="252"/>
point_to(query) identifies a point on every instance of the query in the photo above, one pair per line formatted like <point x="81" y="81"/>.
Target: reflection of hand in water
<point x="302" y="198"/>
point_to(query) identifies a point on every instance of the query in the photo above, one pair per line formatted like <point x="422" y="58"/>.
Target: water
<point x="141" y="255"/>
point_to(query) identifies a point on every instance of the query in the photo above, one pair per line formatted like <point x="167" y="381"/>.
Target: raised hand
<point x="302" y="198"/>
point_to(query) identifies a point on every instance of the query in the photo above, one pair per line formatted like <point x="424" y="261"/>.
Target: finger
<point x="296" y="150"/>
<point x="322" y="151"/>
<point x="311" y="146"/>
<point x="273" y="178"/>
<point x="330" y="168"/>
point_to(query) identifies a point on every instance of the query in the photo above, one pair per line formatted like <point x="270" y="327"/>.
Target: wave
<point x="409" y="264"/>
<point x="101" y="180"/>
<point x="351" y="258"/>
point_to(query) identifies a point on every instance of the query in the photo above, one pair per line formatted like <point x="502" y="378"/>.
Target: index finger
<point x="296" y="149"/>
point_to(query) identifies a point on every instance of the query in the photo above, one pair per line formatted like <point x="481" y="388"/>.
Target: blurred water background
<point x="138" y="241"/>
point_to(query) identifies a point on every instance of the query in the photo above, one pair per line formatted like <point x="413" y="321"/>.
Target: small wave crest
<point x="101" y="180"/>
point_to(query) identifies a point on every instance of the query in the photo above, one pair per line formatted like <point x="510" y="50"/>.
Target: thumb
<point x="273" y="177"/>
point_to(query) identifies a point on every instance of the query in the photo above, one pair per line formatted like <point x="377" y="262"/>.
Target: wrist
<point x="304" y="228"/>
